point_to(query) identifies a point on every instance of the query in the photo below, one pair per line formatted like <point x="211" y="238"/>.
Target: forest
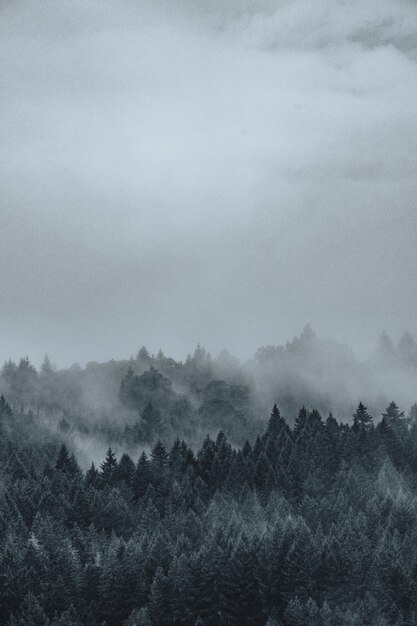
<point x="152" y="492"/>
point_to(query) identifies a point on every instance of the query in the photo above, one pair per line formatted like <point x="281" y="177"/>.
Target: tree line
<point x="150" y="396"/>
<point x="314" y="524"/>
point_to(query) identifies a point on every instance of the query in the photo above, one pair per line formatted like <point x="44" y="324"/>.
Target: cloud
<point x="327" y="23"/>
<point x="215" y="172"/>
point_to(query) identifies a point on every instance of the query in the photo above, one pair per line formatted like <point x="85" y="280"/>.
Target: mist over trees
<point x="152" y="492"/>
<point x="222" y="171"/>
<point x="310" y="525"/>
<point x="131" y="403"/>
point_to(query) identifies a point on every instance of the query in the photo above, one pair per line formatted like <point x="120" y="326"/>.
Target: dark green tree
<point x="362" y="420"/>
<point x="108" y="469"/>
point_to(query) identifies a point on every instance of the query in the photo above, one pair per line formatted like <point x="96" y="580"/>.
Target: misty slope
<point x="310" y="526"/>
<point x="267" y="522"/>
<point x="129" y="404"/>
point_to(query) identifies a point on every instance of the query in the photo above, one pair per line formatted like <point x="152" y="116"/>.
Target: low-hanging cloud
<point x="213" y="172"/>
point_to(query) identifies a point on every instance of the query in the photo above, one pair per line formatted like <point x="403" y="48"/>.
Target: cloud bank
<point x="213" y="172"/>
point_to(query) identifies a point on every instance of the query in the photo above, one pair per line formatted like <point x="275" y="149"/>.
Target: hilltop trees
<point x="393" y="415"/>
<point x="362" y="420"/>
<point x="108" y="468"/>
<point x="137" y="392"/>
<point x="146" y="397"/>
<point x="307" y="525"/>
<point x="206" y="508"/>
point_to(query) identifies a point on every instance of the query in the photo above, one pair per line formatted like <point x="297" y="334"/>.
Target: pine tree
<point x="159" y="602"/>
<point x="159" y="456"/>
<point x="31" y="613"/>
<point x="298" y="563"/>
<point x="209" y="571"/>
<point x="261" y="477"/>
<point x="89" y="591"/>
<point x="275" y="424"/>
<point x="151" y="419"/>
<point x="393" y="428"/>
<point x="5" y="409"/>
<point x="314" y="423"/>
<point x="108" y="468"/>
<point x="125" y="470"/>
<point x="393" y="415"/>
<point x="330" y="447"/>
<point x="92" y="476"/>
<point x="205" y="461"/>
<point x="142" y="477"/>
<point x="63" y="460"/>
<point x="242" y="594"/>
<point x="160" y="476"/>
<point x="412" y="415"/>
<point x="300" y="421"/>
<point x="67" y="464"/>
<point x="143" y="355"/>
<point x="181" y="581"/>
<point x="114" y="586"/>
<point x="362" y="420"/>
<point x="295" y="613"/>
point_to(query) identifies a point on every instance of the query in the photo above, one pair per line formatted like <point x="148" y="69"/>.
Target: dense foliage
<point x="310" y="525"/>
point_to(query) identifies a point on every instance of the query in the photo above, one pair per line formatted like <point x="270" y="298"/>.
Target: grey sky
<point x="205" y="171"/>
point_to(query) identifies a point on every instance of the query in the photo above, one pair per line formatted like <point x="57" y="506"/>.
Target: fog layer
<point x="205" y="173"/>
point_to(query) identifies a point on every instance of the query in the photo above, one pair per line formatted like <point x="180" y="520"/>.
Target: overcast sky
<point x="214" y="172"/>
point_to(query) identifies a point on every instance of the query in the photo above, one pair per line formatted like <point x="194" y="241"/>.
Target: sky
<point x="222" y="173"/>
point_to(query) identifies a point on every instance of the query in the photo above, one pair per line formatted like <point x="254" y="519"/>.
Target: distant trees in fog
<point x="202" y="512"/>
<point x="136" y="401"/>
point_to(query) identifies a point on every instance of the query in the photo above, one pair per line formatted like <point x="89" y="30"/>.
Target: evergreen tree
<point x="159" y="603"/>
<point x="181" y="582"/>
<point x="31" y="614"/>
<point x="89" y="592"/>
<point x="275" y="423"/>
<point x="141" y="477"/>
<point x="125" y="470"/>
<point x="362" y="420"/>
<point x="92" y="476"/>
<point x="159" y="456"/>
<point x="143" y="355"/>
<point x="63" y="460"/>
<point x="209" y="600"/>
<point x="300" y="421"/>
<point x="108" y="468"/>
<point x="151" y="419"/>
<point x="5" y="409"/>
<point x="314" y="527"/>
<point x="242" y="592"/>
<point x="393" y="415"/>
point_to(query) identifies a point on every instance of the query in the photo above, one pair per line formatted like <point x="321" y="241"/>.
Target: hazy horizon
<point x="202" y="173"/>
<point x="179" y="356"/>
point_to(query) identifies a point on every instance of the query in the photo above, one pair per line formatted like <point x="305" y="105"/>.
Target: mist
<point x="208" y="353"/>
<point x="130" y="404"/>
<point x="201" y="173"/>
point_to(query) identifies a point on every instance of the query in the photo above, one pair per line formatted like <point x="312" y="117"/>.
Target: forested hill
<point x="129" y="404"/>
<point x="314" y="525"/>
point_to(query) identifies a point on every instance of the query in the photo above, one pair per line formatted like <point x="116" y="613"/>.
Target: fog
<point x="205" y="173"/>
